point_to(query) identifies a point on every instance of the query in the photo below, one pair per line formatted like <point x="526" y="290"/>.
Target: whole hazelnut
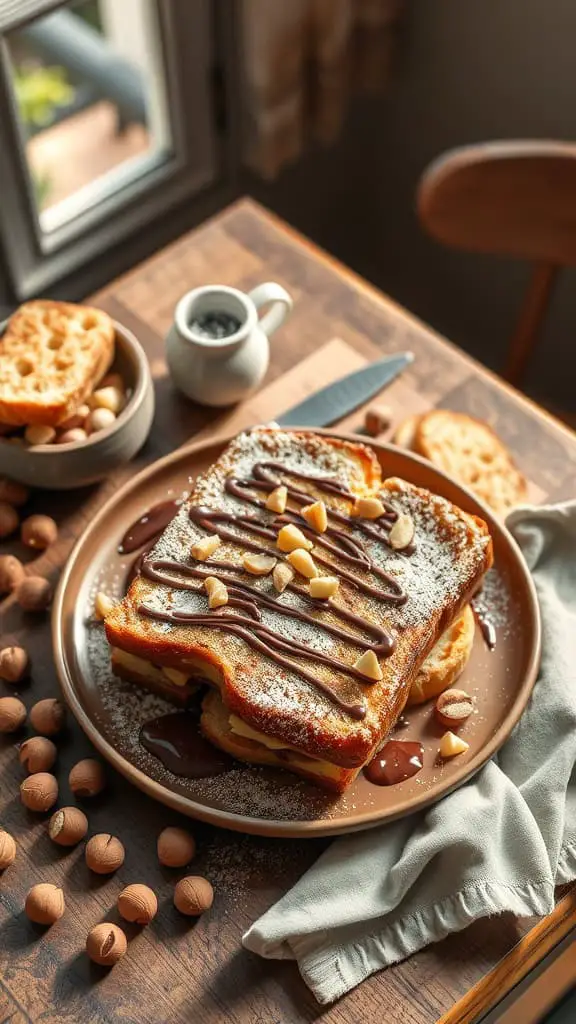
<point x="13" y="492"/>
<point x="193" y="895"/>
<point x="176" y="847"/>
<point x="104" y="854"/>
<point x="11" y="573"/>
<point x="106" y="944"/>
<point x="34" y="593"/>
<point x="39" y="792"/>
<point x="377" y="419"/>
<point x="72" y="436"/>
<point x="87" y="778"/>
<point x="45" y="903"/>
<point x="453" y="708"/>
<point x="48" y="716"/>
<point x="38" y="532"/>
<point x="12" y="714"/>
<point x="13" y="664"/>
<point x="7" y="850"/>
<point x="38" y="754"/>
<point x="138" y="903"/>
<point x="99" y="419"/>
<point x="68" y="826"/>
<point x="8" y="519"/>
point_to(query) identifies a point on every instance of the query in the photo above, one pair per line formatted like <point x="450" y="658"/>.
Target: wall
<point x="466" y="71"/>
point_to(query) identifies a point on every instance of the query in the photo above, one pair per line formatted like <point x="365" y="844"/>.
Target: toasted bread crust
<point x="453" y="551"/>
<point x="52" y="355"/>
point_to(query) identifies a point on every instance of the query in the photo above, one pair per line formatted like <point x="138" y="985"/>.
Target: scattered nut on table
<point x="38" y="532"/>
<point x="104" y="854"/>
<point x="9" y="519"/>
<point x="11" y="573"/>
<point x="13" y="492"/>
<point x="45" y="903"/>
<point x="377" y="419"/>
<point x="39" y="792"/>
<point x="138" y="904"/>
<point x="48" y="716"/>
<point x="7" y="850"/>
<point x="37" y="754"/>
<point x="14" y="664"/>
<point x="193" y="895"/>
<point x="12" y="714"/>
<point x="106" y="944"/>
<point x="34" y="594"/>
<point x="453" y="708"/>
<point x="87" y="778"/>
<point x="176" y="847"/>
<point x="67" y="826"/>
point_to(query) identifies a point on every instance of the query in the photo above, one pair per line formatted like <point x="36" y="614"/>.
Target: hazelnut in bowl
<point x="76" y="395"/>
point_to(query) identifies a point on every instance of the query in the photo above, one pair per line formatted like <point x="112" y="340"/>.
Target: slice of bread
<point x="469" y="450"/>
<point x="446" y="661"/>
<point x="52" y="355"/>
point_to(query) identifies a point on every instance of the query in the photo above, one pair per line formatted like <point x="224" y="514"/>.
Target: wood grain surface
<point x="176" y="971"/>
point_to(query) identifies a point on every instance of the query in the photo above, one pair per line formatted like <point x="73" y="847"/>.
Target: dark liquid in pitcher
<point x="215" y="326"/>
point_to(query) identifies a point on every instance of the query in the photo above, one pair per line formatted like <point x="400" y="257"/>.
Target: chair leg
<point x="532" y="312"/>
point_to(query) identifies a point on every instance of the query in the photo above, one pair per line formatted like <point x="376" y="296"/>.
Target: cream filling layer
<point x="297" y="759"/>
<point x="145" y="668"/>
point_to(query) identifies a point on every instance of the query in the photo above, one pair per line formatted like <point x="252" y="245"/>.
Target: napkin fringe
<point x="566" y="871"/>
<point x="332" y="971"/>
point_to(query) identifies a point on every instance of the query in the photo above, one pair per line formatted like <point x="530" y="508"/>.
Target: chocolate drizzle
<point x="177" y="741"/>
<point x="397" y="761"/>
<point x="149" y="526"/>
<point x="242" y="616"/>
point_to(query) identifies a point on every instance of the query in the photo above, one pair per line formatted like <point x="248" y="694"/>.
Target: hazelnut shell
<point x="13" y="492"/>
<point x="45" y="903"/>
<point x="9" y="519"/>
<point x="39" y="792"/>
<point x="453" y="708"/>
<point x="38" y="532"/>
<point x="193" y="895"/>
<point x="11" y="573"/>
<point x="34" y="593"/>
<point x="37" y="754"/>
<point x="13" y="664"/>
<point x="104" y="854"/>
<point x="7" y="850"/>
<point x="87" y="778"/>
<point x="48" y="716"/>
<point x="12" y="714"/>
<point x="176" y="847"/>
<point x="68" y="826"/>
<point x="106" y="944"/>
<point x="138" y="904"/>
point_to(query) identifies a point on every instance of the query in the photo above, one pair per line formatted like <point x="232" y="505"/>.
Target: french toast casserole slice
<point x="284" y="667"/>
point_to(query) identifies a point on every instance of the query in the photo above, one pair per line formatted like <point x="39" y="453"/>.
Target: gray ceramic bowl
<point x="61" y="467"/>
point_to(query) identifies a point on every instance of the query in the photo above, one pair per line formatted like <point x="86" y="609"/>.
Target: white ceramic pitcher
<point x="220" y="371"/>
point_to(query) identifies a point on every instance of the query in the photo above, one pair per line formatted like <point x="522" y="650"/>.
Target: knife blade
<point x="343" y="396"/>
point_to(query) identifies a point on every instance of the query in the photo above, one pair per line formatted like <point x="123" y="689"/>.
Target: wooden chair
<point x="513" y="199"/>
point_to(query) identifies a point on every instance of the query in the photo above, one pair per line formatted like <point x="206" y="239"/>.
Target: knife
<point x="343" y="396"/>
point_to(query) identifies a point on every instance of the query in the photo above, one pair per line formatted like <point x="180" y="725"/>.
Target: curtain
<point x="301" y="62"/>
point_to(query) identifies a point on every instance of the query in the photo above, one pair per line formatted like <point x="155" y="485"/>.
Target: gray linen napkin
<point x="499" y="843"/>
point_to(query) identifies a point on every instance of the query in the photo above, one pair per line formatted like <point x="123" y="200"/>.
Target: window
<point x="105" y="122"/>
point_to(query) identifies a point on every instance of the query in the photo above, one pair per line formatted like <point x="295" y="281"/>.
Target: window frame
<point x="40" y="259"/>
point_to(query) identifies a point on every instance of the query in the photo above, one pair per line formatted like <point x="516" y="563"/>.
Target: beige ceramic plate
<point x="264" y="800"/>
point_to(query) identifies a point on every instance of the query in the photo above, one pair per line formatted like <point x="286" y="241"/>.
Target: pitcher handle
<point x="281" y="304"/>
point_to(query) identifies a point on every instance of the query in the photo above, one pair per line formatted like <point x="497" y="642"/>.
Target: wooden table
<point x="177" y="973"/>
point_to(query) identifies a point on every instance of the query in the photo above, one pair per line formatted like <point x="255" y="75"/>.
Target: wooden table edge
<point x="516" y="965"/>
